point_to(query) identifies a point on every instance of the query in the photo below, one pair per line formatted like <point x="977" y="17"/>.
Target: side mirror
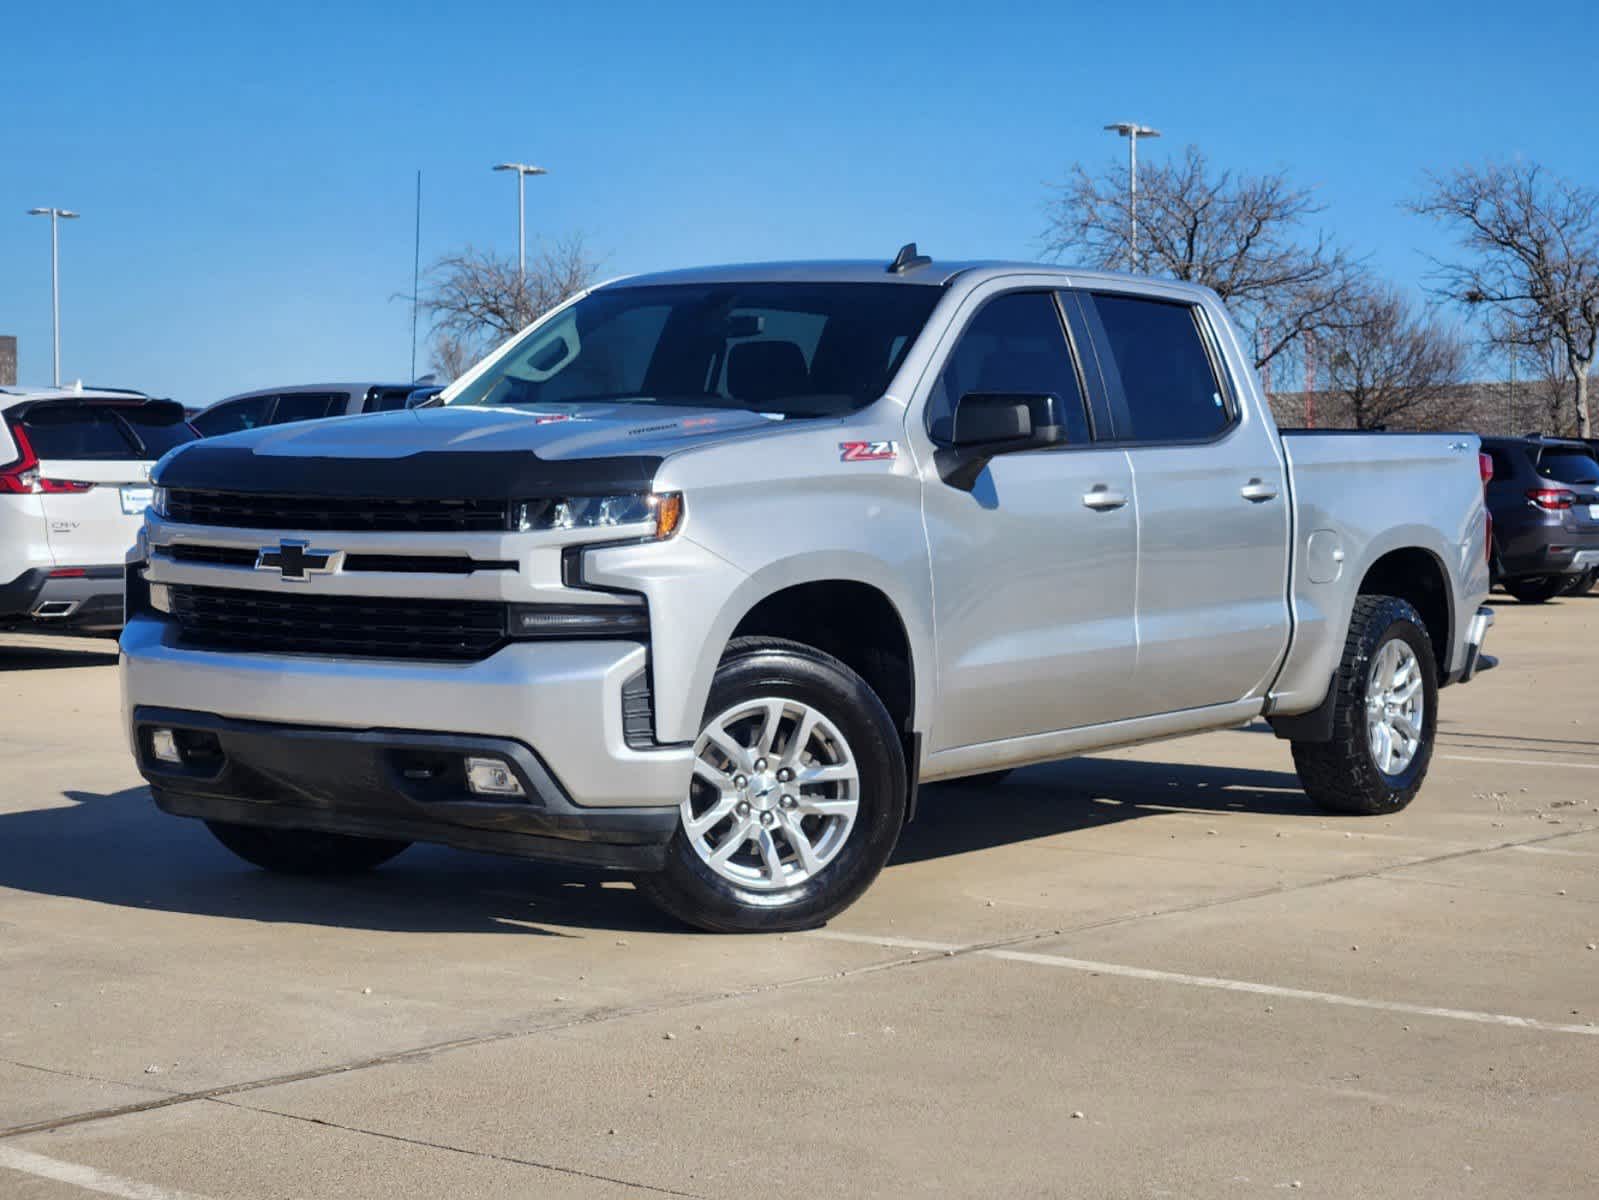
<point x="989" y="423"/>
<point x="423" y="397"/>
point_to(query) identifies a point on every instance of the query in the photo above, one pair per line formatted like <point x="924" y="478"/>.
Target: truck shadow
<point x="1086" y="793"/>
<point x="115" y="848"/>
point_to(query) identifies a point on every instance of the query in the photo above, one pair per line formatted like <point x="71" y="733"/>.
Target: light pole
<point x="56" y="215"/>
<point x="1132" y="131"/>
<point x="523" y="170"/>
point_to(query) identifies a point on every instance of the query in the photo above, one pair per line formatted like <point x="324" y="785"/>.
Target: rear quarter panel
<point x="1368" y="495"/>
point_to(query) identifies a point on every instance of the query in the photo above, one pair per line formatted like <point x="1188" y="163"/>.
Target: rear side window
<point x="246" y="413"/>
<point x="1015" y="344"/>
<point x="307" y="406"/>
<point x="1172" y="393"/>
<point x="1569" y="466"/>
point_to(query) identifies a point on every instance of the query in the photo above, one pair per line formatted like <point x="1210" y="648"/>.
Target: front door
<point x="1034" y="568"/>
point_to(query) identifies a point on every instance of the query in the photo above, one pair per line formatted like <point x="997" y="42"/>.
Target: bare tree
<point x="1532" y="271"/>
<point x="1242" y="235"/>
<point x="451" y="356"/>
<point x="1389" y="363"/>
<point x="476" y="299"/>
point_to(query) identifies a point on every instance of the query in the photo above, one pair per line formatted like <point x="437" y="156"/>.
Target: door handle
<point x="1103" y="499"/>
<point x="1257" y="491"/>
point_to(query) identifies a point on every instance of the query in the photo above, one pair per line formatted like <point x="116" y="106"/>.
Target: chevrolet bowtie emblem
<point x="297" y="561"/>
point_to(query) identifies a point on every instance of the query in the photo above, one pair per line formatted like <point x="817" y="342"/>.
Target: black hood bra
<point x="426" y="475"/>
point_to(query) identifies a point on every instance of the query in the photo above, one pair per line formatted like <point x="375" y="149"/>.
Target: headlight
<point x="663" y="510"/>
<point x="158" y="502"/>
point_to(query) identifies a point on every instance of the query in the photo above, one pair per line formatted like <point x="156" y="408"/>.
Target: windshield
<point x="790" y="349"/>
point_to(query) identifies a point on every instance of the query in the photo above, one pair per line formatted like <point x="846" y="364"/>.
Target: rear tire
<point x="1344" y="775"/>
<point x="1535" y="589"/>
<point x="304" y="851"/>
<point x="737" y="863"/>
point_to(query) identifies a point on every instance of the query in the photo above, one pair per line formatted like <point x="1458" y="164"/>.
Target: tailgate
<point x="94" y="460"/>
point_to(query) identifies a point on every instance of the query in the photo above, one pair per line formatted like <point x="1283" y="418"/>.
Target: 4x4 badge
<point x="296" y="561"/>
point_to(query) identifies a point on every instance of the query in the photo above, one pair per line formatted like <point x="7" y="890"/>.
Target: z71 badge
<point x="867" y="451"/>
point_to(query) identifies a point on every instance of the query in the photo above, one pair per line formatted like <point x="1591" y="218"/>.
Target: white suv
<point x="74" y="484"/>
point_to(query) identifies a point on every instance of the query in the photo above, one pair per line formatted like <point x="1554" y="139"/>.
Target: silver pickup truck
<point x="703" y="574"/>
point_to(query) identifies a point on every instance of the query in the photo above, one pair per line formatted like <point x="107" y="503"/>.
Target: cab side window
<point x="1016" y="344"/>
<point x="1167" y="376"/>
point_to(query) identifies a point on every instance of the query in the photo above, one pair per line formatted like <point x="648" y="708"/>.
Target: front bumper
<point x="386" y="784"/>
<point x="563" y="700"/>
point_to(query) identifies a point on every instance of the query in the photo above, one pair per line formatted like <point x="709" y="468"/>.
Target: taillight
<point x="1485" y="469"/>
<point x="22" y="477"/>
<point x="1552" y="499"/>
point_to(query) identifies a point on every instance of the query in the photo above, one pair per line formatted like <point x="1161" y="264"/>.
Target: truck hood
<point x="464" y="453"/>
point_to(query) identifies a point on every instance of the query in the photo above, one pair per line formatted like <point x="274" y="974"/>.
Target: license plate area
<point x="136" y="499"/>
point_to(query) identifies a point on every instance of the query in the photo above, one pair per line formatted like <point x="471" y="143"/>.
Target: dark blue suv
<point x="1544" y="499"/>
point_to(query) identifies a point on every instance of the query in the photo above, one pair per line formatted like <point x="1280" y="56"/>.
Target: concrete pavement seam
<point x="486" y="1154"/>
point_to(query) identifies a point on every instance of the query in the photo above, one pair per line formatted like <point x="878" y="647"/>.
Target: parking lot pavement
<point x="1151" y="973"/>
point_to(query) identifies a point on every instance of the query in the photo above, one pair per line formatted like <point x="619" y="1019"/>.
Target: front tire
<point x="1535" y="589"/>
<point x="304" y="851"/>
<point x="797" y="797"/>
<point x="1385" y="715"/>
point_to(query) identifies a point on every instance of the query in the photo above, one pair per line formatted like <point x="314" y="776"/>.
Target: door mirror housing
<point x="988" y="423"/>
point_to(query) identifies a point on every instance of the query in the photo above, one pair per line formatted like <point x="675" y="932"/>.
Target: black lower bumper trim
<point x="389" y="784"/>
<point x="17" y="596"/>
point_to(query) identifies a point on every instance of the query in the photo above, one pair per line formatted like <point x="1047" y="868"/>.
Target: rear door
<point x="1212" y="506"/>
<point x="94" y="471"/>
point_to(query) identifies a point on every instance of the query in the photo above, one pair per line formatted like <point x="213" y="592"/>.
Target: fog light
<point x="164" y="745"/>
<point x="492" y="777"/>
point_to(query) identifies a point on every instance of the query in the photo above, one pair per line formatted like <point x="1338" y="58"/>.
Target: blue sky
<point x="246" y="173"/>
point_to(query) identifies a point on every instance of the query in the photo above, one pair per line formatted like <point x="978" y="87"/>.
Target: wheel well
<point x="855" y="623"/>
<point x="1416" y="575"/>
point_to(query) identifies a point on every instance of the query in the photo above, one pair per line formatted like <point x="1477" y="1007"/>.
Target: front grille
<point x="398" y="564"/>
<point x="237" y="511"/>
<point x="270" y="622"/>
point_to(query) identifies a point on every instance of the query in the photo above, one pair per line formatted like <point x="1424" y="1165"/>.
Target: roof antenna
<point x="908" y="260"/>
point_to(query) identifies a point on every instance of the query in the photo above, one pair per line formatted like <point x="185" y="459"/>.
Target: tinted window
<point x="77" y="431"/>
<point x="1170" y="387"/>
<point x="106" y="432"/>
<point x="158" y="429"/>
<point x="307" y="406"/>
<point x="1569" y="466"/>
<point x="246" y="413"/>
<point x="1015" y="344"/>
<point x="797" y="349"/>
